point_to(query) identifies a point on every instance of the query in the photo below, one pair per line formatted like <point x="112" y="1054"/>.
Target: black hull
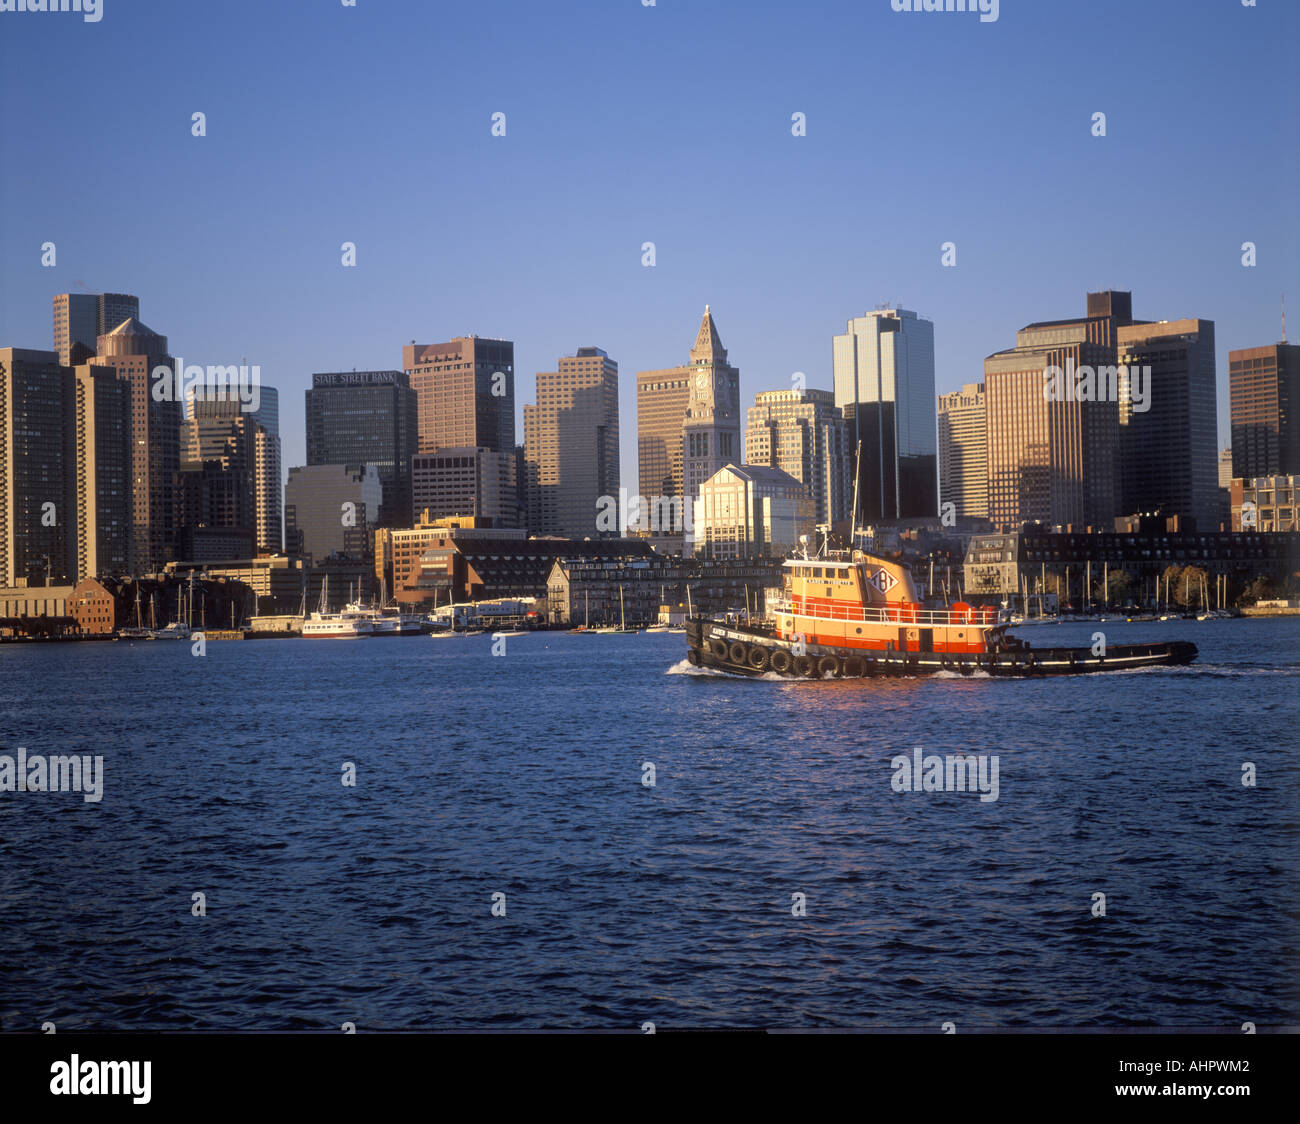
<point x="705" y="640"/>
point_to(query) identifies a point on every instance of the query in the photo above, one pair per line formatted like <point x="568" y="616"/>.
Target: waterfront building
<point x="1167" y="442"/>
<point x="332" y="510"/>
<point x="35" y="610"/>
<point x="38" y="531"/>
<point x="1053" y="460"/>
<point x="1266" y="504"/>
<point x="998" y="566"/>
<point x="801" y="433"/>
<point x="477" y="482"/>
<point x="884" y="385"/>
<point x="587" y="590"/>
<point x="462" y="559"/>
<point x="963" y="452"/>
<point x="465" y="393"/>
<point x="1264" y="404"/>
<point x="744" y="511"/>
<point x="571" y="444"/>
<point x="81" y="318"/>
<point x="366" y="417"/>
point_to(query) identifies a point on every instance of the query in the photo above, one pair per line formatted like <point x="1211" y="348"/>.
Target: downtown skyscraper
<point x="1053" y="459"/>
<point x="1264" y="390"/>
<point x="963" y="452"/>
<point x="688" y="424"/>
<point x="1169" y="441"/>
<point x="884" y="384"/>
<point x="366" y="417"/>
<point x="803" y="434"/>
<point x="571" y="444"/>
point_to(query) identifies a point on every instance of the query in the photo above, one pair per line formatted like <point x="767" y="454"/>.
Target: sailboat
<point x="622" y="619"/>
<point x="178" y="629"/>
<point x="139" y="632"/>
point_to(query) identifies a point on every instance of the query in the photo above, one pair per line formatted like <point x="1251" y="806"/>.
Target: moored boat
<point x="850" y="615"/>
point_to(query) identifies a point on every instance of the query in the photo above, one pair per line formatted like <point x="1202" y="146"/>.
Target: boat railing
<point x="900" y="613"/>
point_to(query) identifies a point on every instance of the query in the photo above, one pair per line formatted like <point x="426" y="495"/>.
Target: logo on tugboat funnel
<point x="883" y="580"/>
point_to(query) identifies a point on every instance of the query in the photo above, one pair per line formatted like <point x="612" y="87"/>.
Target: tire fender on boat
<point x="781" y="662"/>
<point x="804" y="665"/>
<point x="718" y="647"/>
<point x="757" y="658"/>
<point x="854" y="667"/>
<point x="738" y="653"/>
<point x="825" y="664"/>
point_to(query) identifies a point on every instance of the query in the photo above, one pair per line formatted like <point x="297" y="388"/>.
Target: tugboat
<point x="853" y="615"/>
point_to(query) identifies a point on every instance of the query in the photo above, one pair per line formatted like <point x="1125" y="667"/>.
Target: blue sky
<point x="627" y="124"/>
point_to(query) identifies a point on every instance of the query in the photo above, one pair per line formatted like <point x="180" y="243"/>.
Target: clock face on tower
<point x="702" y="382"/>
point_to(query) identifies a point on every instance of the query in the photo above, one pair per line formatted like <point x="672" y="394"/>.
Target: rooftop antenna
<point x="1284" y="317"/>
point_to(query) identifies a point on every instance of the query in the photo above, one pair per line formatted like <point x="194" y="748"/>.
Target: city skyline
<point x="777" y="261"/>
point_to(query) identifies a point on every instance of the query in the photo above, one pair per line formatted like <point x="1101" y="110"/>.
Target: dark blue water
<point x="624" y="904"/>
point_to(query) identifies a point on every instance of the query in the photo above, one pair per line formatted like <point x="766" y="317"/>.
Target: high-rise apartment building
<point x="1264" y="400"/>
<point x="465" y="393"/>
<point x="1052" y="456"/>
<point x="366" y="417"/>
<point x="133" y="350"/>
<point x="803" y="434"/>
<point x="963" y="452"/>
<point x="571" y="444"/>
<point x="1168" y="432"/>
<point x="884" y="384"/>
<point x="38" y="536"/>
<point x="81" y="318"/>
<point x="103" y="472"/>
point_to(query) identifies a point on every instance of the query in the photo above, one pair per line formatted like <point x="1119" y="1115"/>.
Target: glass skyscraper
<point x="884" y="384"/>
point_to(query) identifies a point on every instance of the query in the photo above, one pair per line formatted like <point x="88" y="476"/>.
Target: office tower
<point x="1225" y="467"/>
<point x="1052" y="457"/>
<point x="38" y="538"/>
<point x="366" y="417"/>
<point x="1168" y="442"/>
<point x="963" y="452"/>
<point x="688" y="419"/>
<point x="81" y="318"/>
<point x="661" y="401"/>
<point x="803" y="434"/>
<point x="884" y="384"/>
<point x="746" y="511"/>
<point x="465" y="393"/>
<point x="571" y="444"/>
<point x="1264" y="403"/>
<point x="248" y="456"/>
<point x="133" y="351"/>
<point x="711" y="429"/>
<point x="330" y="509"/>
<point x="103" y="472"/>
<point x="472" y="482"/>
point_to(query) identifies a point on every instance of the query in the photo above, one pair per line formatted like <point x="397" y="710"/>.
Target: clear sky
<point x="627" y="124"/>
